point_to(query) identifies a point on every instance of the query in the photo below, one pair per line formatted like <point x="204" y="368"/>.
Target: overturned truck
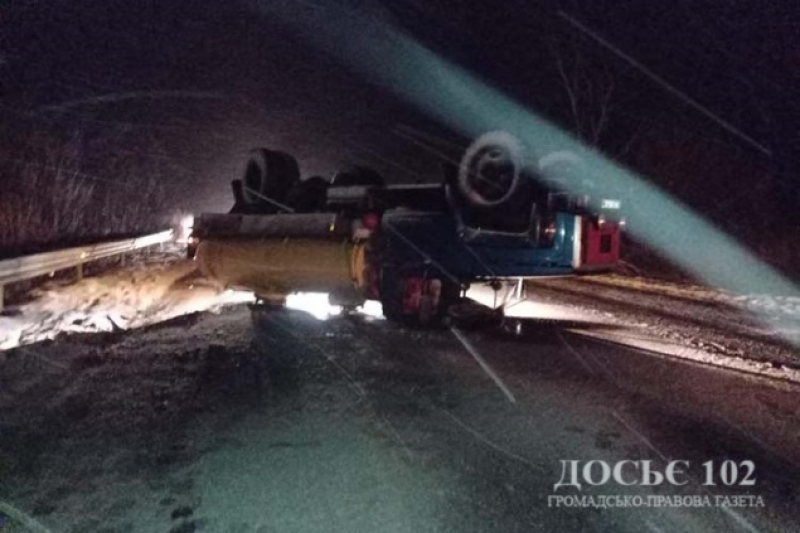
<point x="416" y="248"/>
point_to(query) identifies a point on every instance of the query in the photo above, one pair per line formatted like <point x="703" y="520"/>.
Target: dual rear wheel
<point x="416" y="299"/>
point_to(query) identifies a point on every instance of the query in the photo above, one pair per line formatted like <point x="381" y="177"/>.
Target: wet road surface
<point x="273" y="421"/>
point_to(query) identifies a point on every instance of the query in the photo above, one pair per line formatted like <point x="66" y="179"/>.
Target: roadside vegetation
<point x="744" y="192"/>
<point x="739" y="191"/>
<point x="64" y="185"/>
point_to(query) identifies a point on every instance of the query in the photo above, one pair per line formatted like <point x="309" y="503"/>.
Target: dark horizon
<point x="204" y="83"/>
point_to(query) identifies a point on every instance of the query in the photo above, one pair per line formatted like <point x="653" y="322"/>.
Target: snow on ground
<point x="746" y="332"/>
<point x="756" y="334"/>
<point x="142" y="294"/>
<point x="774" y="304"/>
<point x="276" y="421"/>
<point x="779" y="305"/>
<point x="187" y="426"/>
<point x="660" y="318"/>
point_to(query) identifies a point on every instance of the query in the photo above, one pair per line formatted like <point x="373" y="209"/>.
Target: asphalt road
<point x="273" y="421"/>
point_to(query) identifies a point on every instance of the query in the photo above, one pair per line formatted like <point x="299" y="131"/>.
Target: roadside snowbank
<point x="752" y="333"/>
<point x="788" y="306"/>
<point x="128" y="298"/>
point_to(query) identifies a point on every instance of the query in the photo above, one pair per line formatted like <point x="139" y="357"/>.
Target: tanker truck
<point x="416" y="248"/>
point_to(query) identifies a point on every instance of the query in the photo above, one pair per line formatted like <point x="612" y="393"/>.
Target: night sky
<point x="195" y="84"/>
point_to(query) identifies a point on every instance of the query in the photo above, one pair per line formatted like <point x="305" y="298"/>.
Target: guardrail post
<point x="79" y="272"/>
<point x="1" y="297"/>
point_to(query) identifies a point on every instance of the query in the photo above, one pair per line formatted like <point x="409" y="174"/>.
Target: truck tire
<point x="396" y="287"/>
<point x="391" y="294"/>
<point x="309" y="195"/>
<point x="270" y="174"/>
<point x="489" y="172"/>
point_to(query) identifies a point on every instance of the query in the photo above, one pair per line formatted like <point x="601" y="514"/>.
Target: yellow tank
<point x="275" y="267"/>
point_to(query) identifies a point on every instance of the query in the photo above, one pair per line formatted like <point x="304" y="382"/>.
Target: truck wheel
<point x="489" y="173"/>
<point x="391" y="294"/>
<point x="309" y="195"/>
<point x="270" y="174"/>
<point x="415" y="300"/>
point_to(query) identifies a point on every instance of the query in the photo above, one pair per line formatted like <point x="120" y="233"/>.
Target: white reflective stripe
<point x="606" y="203"/>
<point x="577" y="237"/>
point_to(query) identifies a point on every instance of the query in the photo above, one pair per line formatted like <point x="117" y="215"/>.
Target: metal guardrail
<point x="31" y="266"/>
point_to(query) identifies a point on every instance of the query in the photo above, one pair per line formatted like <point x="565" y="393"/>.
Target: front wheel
<point x="415" y="299"/>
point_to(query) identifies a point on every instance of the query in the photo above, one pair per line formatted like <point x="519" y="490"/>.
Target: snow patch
<point x="741" y="363"/>
<point x="129" y="298"/>
<point x="780" y="305"/>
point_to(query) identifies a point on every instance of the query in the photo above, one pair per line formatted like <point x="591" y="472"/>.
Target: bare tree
<point x="50" y="196"/>
<point x="590" y="87"/>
